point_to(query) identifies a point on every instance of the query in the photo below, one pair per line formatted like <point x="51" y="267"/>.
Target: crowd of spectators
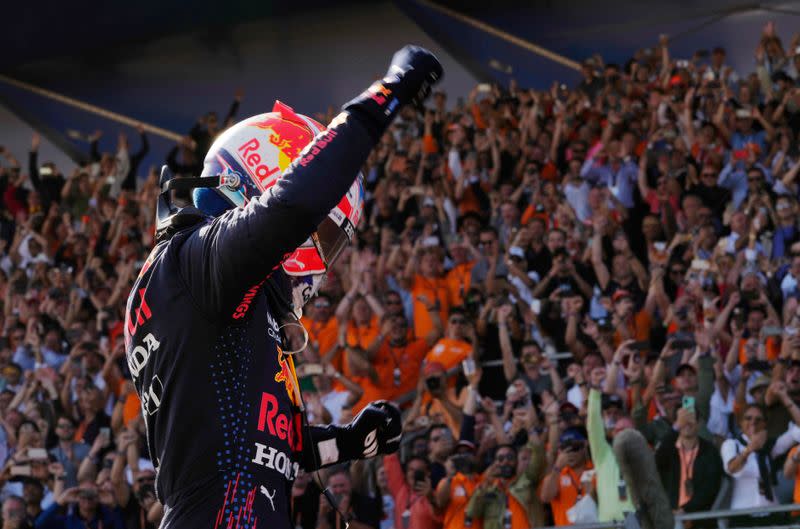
<point x="536" y="272"/>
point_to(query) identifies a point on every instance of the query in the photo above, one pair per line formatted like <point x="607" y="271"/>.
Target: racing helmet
<point x="251" y="157"/>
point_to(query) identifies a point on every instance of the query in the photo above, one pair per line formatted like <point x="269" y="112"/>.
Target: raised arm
<point x="243" y="245"/>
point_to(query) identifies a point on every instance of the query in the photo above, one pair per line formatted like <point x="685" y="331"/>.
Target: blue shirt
<point x="621" y="180"/>
<point x="740" y="141"/>
<point x="734" y="177"/>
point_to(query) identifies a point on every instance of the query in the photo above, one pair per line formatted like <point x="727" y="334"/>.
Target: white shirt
<point x="578" y="197"/>
<point x="575" y="396"/>
<point x="334" y="401"/>
<point x="745" y="482"/>
<point x="721" y="409"/>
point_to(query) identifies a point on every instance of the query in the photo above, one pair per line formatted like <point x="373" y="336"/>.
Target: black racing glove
<point x="375" y="430"/>
<point x="411" y="75"/>
<point x="414" y="70"/>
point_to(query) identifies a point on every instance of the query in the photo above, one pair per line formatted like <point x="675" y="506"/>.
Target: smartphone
<point x="468" y="365"/>
<point x="37" y="453"/>
<point x="660" y="246"/>
<point x="105" y="431"/>
<point x="688" y="403"/>
<point x="771" y="330"/>
<point x="419" y="475"/>
<point x="700" y="264"/>
<point x="750" y="254"/>
<point x="484" y="87"/>
<point x="21" y="470"/>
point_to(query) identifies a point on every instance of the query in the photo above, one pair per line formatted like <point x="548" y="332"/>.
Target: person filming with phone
<point x="410" y="485"/>
<point x="507" y="496"/>
<point x="356" y="510"/>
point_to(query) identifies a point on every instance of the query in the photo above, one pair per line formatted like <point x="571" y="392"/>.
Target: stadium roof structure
<point x="164" y="62"/>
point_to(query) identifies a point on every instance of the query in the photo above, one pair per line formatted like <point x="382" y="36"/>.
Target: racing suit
<point x="203" y="344"/>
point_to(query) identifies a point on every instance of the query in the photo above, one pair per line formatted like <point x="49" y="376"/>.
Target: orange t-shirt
<point x="449" y="352"/>
<point x="434" y="289"/>
<point x="407" y="358"/>
<point x="569" y="491"/>
<point x="360" y="336"/>
<point x="459" y="280"/>
<point x="461" y="489"/>
<point x="639" y="328"/>
<point x="796" y="496"/>
<point x="131" y="408"/>
<point x="325" y="333"/>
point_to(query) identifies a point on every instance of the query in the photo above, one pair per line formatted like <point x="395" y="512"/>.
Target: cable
<point x="304" y="418"/>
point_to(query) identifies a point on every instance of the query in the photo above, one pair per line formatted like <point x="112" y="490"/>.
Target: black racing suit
<point x="203" y="344"/>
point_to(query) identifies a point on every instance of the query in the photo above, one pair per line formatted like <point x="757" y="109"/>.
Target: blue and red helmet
<point x="253" y="155"/>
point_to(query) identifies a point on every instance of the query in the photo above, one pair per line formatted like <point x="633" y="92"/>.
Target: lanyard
<point x="394" y="356"/>
<point x="688" y="458"/>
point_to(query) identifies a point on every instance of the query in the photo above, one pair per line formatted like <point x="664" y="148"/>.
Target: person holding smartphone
<point x="689" y="466"/>
<point x="359" y="511"/>
<point x="410" y="485"/>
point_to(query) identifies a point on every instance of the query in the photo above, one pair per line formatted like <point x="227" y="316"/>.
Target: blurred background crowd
<point x="536" y="272"/>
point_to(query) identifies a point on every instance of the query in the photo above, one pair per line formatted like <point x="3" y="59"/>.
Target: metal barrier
<point x="720" y="515"/>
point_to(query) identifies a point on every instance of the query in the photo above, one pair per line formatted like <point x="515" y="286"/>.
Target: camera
<point x="419" y="475"/>
<point x="433" y="383"/>
<point x="463" y="463"/>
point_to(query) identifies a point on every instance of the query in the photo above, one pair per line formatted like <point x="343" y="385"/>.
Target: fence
<point x="722" y="516"/>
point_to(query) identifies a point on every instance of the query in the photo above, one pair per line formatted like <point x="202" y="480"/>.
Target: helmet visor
<point x="332" y="239"/>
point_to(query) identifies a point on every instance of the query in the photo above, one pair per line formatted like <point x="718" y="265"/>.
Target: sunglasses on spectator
<point x="321" y="304"/>
<point x="507" y="457"/>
